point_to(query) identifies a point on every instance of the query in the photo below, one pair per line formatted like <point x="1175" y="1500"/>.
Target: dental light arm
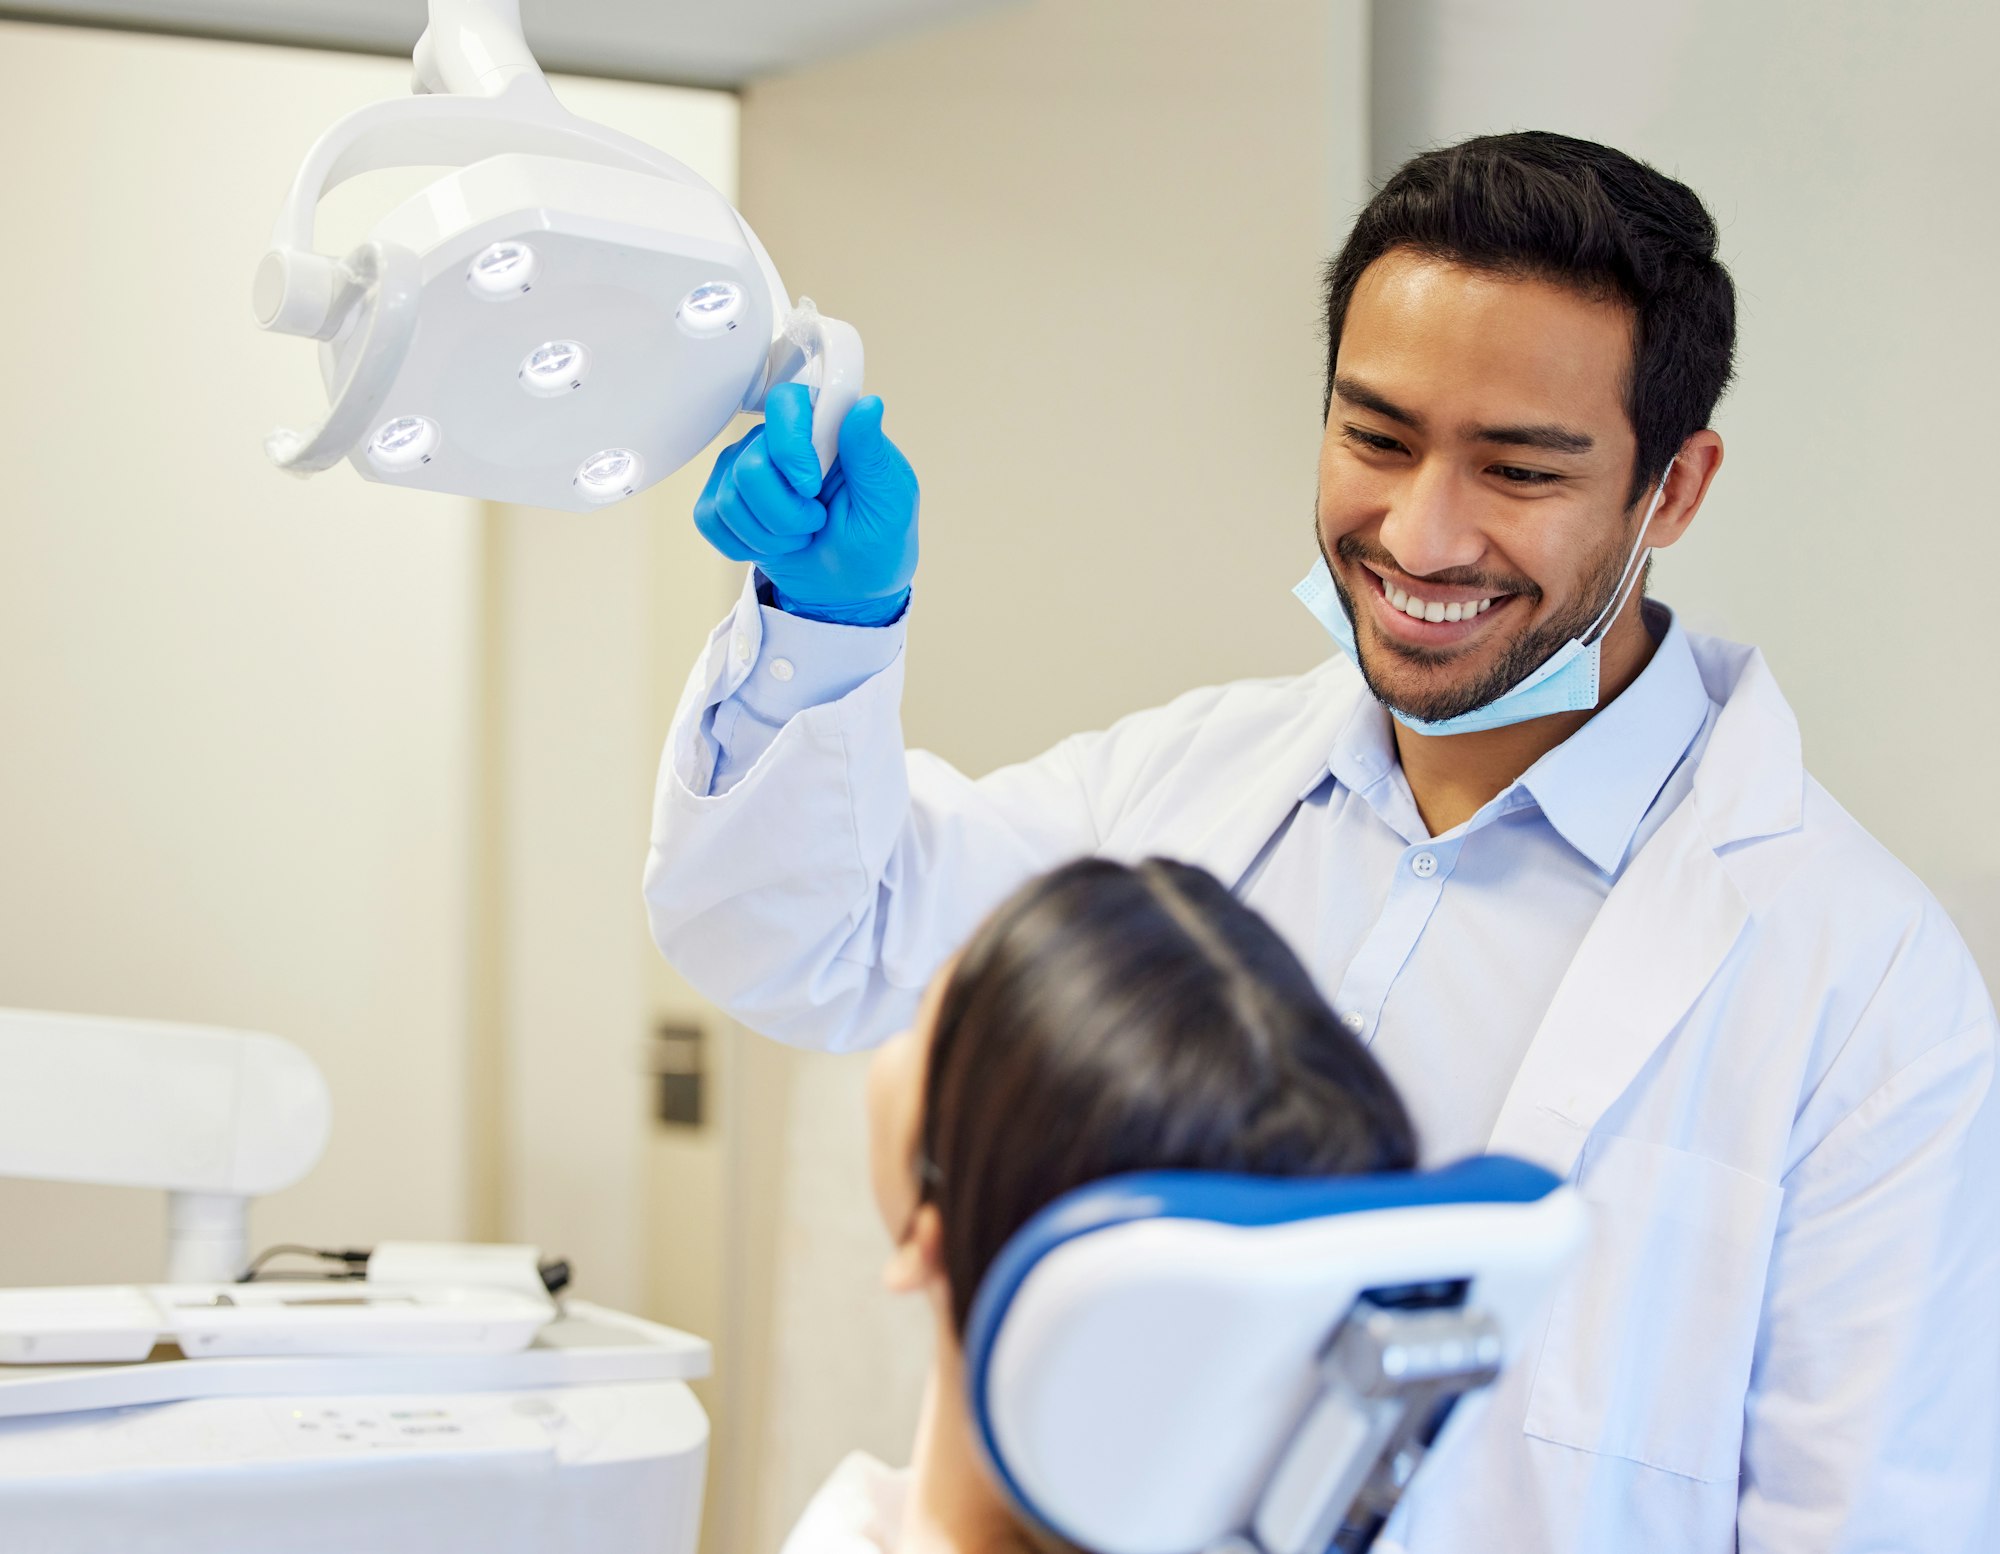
<point x="214" y="1117"/>
<point x="1179" y="1362"/>
<point x="474" y="48"/>
<point x="565" y="319"/>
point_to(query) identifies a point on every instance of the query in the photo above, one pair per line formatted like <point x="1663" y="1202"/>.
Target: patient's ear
<point x="918" y="1259"/>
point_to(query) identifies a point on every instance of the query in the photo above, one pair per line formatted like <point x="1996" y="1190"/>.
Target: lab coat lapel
<point x="1668" y="923"/>
<point x="1658" y="940"/>
<point x="1275" y="772"/>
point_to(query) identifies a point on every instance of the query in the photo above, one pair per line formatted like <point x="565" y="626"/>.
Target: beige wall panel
<point x="1081" y="242"/>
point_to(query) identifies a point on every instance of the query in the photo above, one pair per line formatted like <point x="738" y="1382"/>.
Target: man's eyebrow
<point x="1554" y="439"/>
<point x="1546" y="436"/>
<point x="1358" y="393"/>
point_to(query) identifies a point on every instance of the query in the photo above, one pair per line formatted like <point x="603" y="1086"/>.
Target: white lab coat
<point x="1768" y="1067"/>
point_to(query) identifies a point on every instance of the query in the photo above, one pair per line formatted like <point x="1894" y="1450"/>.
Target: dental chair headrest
<point x="1161" y="1362"/>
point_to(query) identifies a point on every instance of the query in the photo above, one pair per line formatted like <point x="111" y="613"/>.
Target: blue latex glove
<point x="842" y="549"/>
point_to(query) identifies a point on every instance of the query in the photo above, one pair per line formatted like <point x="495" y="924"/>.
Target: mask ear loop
<point x="1635" y="565"/>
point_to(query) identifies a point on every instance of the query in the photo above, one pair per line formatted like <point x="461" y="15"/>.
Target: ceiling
<point x="723" y="43"/>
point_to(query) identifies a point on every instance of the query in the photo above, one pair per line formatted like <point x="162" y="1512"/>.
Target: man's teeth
<point x="1418" y="609"/>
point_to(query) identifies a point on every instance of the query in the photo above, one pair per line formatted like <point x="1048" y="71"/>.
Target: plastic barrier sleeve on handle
<point x="840" y="369"/>
<point x="826" y="356"/>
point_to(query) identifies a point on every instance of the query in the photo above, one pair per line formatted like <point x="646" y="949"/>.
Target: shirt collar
<point x="1596" y="786"/>
<point x="1364" y="761"/>
<point x="1364" y="751"/>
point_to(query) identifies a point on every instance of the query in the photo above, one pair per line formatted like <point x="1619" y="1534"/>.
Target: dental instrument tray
<point x="468" y="1341"/>
<point x="98" y="1324"/>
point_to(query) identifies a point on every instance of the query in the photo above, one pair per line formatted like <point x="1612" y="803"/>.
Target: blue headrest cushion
<point x="1218" y="1198"/>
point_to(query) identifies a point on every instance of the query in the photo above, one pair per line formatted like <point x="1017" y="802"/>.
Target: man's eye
<point x="1524" y="477"/>
<point x="1374" y="441"/>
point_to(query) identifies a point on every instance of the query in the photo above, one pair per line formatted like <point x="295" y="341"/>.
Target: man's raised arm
<point x="804" y="872"/>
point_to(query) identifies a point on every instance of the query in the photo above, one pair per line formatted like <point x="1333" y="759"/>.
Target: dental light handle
<point x="840" y="364"/>
<point x="825" y="355"/>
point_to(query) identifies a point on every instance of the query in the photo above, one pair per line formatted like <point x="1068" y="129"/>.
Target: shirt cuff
<point x="801" y="663"/>
<point x="763" y="668"/>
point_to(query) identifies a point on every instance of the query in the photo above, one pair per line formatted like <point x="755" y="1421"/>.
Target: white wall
<point x="1848" y="153"/>
<point x="1081" y="239"/>
<point x="236" y="706"/>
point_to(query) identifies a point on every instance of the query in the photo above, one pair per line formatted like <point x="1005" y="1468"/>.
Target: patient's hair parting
<point x="1109" y="1018"/>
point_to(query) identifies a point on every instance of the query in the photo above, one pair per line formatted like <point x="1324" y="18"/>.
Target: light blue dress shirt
<point x="1442" y="952"/>
<point x="1439" y="952"/>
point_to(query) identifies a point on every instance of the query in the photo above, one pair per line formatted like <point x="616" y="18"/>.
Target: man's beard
<point x="1521" y="657"/>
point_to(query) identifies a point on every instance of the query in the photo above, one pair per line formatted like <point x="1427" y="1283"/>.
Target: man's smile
<point x="1431" y="615"/>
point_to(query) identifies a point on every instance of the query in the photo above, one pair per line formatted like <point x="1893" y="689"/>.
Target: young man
<point x="1553" y="857"/>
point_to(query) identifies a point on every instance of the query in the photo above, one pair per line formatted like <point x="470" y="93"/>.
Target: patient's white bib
<point x="858" y="1510"/>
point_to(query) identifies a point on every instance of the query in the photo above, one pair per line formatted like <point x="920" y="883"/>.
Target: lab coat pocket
<point x="1649" y="1345"/>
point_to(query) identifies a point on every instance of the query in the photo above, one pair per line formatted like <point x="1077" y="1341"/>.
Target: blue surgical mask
<point x="1566" y="681"/>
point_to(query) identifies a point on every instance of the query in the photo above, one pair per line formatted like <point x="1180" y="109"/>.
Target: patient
<point x="1104" y="1019"/>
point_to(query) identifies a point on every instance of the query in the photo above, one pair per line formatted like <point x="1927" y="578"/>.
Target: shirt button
<point x="781" y="669"/>
<point x="1353" y="1021"/>
<point x="742" y="647"/>
<point x="1424" y="865"/>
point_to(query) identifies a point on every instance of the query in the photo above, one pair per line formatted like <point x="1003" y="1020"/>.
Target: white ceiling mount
<point x="679" y="42"/>
<point x="565" y="318"/>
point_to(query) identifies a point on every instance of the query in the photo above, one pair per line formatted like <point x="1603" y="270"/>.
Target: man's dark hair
<point x="1110" y="1018"/>
<point x="1540" y="206"/>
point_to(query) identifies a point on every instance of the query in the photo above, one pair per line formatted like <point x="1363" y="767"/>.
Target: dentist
<point x="1553" y="857"/>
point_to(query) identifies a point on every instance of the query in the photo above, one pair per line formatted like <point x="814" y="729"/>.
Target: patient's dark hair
<point x="1109" y="1018"/>
<point x="1538" y="206"/>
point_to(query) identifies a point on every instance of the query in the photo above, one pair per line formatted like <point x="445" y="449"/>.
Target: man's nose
<point x="1430" y="527"/>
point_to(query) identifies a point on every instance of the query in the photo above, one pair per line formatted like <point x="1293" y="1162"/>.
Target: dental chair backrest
<point x="1173" y="1362"/>
<point x="213" y="1117"/>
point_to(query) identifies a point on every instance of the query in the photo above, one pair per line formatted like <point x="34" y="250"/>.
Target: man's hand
<point x="840" y="549"/>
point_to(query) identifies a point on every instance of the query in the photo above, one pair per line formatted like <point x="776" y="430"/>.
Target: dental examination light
<point x="563" y="319"/>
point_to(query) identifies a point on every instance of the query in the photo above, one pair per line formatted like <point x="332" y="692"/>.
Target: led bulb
<point x="504" y="270"/>
<point x="607" y="476"/>
<point x="403" y="444"/>
<point x="554" y="369"/>
<point x="712" y="308"/>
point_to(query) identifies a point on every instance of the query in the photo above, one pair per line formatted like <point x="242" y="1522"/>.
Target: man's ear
<point x="918" y="1259"/>
<point x="1693" y="472"/>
